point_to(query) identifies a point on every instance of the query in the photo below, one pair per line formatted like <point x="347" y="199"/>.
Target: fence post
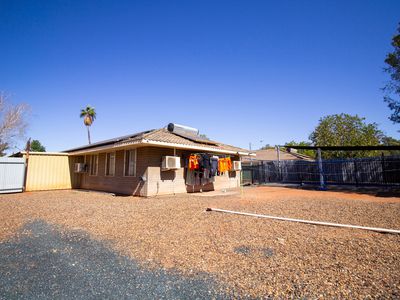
<point x="264" y="171"/>
<point x="279" y="163"/>
<point x="355" y="171"/>
<point x="262" y="177"/>
<point x="383" y="169"/>
<point x="321" y="171"/>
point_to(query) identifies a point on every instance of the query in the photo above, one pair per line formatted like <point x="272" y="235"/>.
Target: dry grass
<point x="252" y="256"/>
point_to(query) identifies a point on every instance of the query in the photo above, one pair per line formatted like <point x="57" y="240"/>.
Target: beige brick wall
<point x="157" y="182"/>
<point x="118" y="183"/>
<point x="165" y="182"/>
<point x="173" y="182"/>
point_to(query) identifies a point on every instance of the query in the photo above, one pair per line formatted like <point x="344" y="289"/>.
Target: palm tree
<point x="88" y="114"/>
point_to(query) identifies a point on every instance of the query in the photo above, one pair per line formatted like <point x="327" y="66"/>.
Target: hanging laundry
<point x="201" y="169"/>
<point x="193" y="162"/>
<point x="228" y="164"/>
<point x="207" y="178"/>
<point x="190" y="177"/>
<point x="204" y="161"/>
<point x="213" y="165"/>
<point x="221" y="165"/>
<point x="224" y="164"/>
<point x="221" y="162"/>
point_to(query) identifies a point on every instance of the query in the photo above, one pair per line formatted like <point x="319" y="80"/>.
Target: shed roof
<point x="160" y="138"/>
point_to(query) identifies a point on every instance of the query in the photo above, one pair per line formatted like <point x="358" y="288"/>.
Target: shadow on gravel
<point x="45" y="262"/>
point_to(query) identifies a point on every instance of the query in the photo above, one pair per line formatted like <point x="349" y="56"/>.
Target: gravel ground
<point x="45" y="262"/>
<point x="247" y="256"/>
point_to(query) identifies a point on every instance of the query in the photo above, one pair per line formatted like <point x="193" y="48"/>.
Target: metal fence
<point x="384" y="170"/>
<point x="12" y="174"/>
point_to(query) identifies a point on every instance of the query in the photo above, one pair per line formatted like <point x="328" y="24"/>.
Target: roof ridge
<point x="163" y="136"/>
<point x="153" y="131"/>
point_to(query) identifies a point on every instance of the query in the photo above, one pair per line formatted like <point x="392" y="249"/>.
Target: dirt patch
<point x="254" y="257"/>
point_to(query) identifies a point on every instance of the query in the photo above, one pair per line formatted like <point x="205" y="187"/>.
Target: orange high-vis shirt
<point x="221" y="164"/>
<point x="228" y="164"/>
<point x="224" y="164"/>
<point x="193" y="162"/>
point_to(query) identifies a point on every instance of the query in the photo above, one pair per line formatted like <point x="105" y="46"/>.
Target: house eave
<point x="21" y="153"/>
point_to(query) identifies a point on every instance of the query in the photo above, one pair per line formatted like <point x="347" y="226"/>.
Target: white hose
<point x="383" y="230"/>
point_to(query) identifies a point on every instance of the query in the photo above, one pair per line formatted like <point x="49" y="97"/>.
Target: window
<point x="110" y="164"/>
<point x="130" y="163"/>
<point x="93" y="164"/>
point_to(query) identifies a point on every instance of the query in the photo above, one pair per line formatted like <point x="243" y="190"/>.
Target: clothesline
<point x="203" y="167"/>
<point x="213" y="154"/>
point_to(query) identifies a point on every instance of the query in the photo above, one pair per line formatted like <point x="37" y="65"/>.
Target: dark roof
<point x="162" y="136"/>
<point x="109" y="141"/>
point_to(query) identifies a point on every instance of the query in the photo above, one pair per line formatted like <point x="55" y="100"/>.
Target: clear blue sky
<point x="240" y="71"/>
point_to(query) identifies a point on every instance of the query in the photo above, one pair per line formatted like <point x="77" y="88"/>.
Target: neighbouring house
<point x="266" y="164"/>
<point x="148" y="163"/>
<point x="271" y="154"/>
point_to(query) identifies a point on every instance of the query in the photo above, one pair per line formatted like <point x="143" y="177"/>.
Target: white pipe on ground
<point x="383" y="230"/>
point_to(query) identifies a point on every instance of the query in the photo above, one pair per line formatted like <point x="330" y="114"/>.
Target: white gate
<point x="12" y="174"/>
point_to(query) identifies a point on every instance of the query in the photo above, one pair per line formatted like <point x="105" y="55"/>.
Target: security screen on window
<point x="110" y="164"/>
<point x="94" y="160"/>
<point x="130" y="162"/>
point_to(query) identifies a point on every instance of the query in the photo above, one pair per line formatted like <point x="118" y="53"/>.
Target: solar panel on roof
<point x="109" y="141"/>
<point x="196" y="139"/>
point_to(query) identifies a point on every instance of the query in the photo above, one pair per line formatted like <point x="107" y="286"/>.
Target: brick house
<point x="132" y="164"/>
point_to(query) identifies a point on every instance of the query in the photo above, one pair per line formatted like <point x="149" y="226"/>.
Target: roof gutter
<point x="103" y="148"/>
<point x="39" y="153"/>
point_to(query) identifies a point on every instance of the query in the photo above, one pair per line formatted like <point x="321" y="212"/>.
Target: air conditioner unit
<point x="80" y="168"/>
<point x="170" y="163"/>
<point x="237" y="165"/>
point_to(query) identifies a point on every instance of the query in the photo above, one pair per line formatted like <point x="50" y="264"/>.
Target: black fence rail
<point x="384" y="170"/>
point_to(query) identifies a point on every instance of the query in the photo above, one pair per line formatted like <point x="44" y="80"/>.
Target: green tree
<point x="204" y="136"/>
<point x="392" y="88"/>
<point x="89" y="115"/>
<point x="346" y="130"/>
<point x="36" y="146"/>
<point x="266" y="147"/>
<point x="389" y="141"/>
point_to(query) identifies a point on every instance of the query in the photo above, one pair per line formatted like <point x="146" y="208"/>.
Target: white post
<point x="321" y="173"/>
<point x="279" y="162"/>
<point x="251" y="159"/>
